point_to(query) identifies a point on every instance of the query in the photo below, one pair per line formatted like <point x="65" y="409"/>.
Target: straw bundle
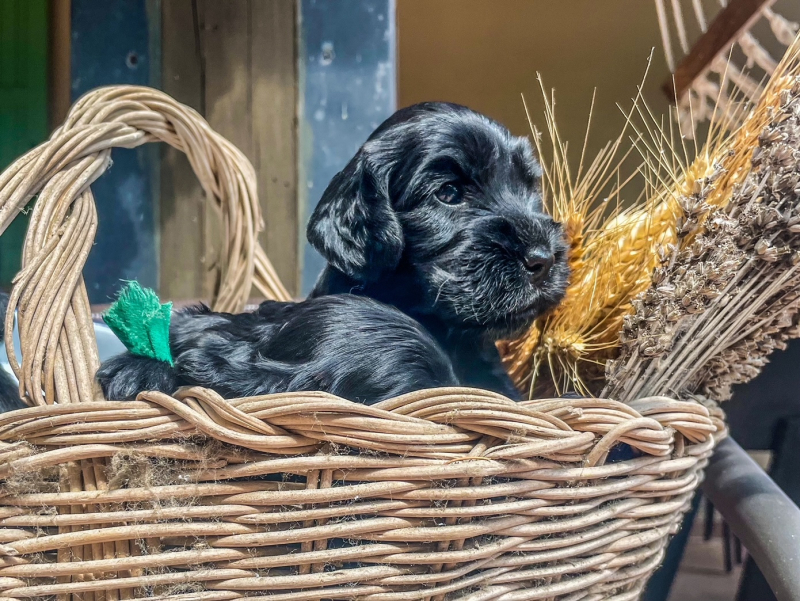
<point x="607" y="260"/>
<point x="720" y="303"/>
<point x="622" y="271"/>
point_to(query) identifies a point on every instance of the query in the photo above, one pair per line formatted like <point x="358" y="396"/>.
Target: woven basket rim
<point x="52" y="303"/>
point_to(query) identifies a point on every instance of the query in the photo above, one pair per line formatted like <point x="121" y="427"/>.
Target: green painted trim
<point x="23" y="102"/>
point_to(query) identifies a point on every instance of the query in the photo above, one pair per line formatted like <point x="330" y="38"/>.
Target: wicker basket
<point x="446" y="494"/>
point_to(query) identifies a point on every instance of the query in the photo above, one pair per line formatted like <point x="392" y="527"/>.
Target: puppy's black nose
<point x="538" y="262"/>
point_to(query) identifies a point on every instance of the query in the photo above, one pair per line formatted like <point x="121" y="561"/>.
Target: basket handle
<point x="59" y="351"/>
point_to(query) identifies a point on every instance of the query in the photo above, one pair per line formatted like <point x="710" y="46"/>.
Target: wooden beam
<point x="729" y="24"/>
<point x="225" y="51"/>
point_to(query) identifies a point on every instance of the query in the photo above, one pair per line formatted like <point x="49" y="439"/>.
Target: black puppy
<point x="352" y="347"/>
<point x="440" y="214"/>
<point x="9" y="392"/>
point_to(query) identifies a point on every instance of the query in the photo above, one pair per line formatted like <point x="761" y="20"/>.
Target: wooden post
<point x="297" y="85"/>
<point x="183" y="255"/>
<point x="59" y="67"/>
<point x="235" y="62"/>
<point x="273" y="72"/>
<point x="347" y="88"/>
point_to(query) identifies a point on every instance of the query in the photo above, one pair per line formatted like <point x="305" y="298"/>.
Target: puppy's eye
<point x="449" y="194"/>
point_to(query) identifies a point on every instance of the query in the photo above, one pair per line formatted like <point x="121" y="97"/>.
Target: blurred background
<point x="298" y="85"/>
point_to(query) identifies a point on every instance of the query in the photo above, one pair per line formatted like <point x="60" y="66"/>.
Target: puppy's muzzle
<point x="538" y="262"/>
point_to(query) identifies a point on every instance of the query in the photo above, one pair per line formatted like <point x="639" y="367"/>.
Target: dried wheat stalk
<point x="617" y="258"/>
<point x="608" y="259"/>
<point x="722" y="300"/>
<point x="612" y="254"/>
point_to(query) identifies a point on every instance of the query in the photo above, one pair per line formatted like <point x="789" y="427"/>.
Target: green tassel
<point x="141" y="322"/>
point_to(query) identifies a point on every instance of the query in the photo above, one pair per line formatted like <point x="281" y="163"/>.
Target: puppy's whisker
<point x="441" y="286"/>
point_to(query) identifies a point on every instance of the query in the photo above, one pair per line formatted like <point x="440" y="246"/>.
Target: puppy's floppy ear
<point x="354" y="226"/>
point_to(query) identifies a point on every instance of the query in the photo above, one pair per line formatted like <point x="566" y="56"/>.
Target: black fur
<point x="352" y="347"/>
<point x="9" y="392"/>
<point x="440" y="214"/>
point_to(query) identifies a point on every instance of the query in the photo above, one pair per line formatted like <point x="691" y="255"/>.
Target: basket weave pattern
<point x="444" y="494"/>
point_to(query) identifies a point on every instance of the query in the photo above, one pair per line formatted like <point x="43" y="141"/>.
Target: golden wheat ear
<point x="610" y="249"/>
<point x="616" y="253"/>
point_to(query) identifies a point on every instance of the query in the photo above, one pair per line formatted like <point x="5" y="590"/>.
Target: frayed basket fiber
<point x="441" y="494"/>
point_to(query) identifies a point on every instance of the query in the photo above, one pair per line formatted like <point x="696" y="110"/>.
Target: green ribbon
<point x="141" y="322"/>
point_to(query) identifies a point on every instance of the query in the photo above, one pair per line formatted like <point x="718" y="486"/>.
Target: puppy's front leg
<point x="478" y="365"/>
<point x="497" y="377"/>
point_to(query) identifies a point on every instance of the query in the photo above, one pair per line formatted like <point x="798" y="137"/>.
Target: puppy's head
<point x="451" y="197"/>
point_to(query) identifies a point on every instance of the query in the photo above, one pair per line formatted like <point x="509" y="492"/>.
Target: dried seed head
<point x="715" y="254"/>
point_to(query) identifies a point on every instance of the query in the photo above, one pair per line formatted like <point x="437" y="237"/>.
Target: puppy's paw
<point x="9" y="393"/>
<point x="126" y="375"/>
<point x="622" y="452"/>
